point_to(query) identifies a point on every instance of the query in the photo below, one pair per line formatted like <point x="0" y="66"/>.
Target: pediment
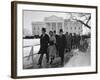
<point x="53" y="18"/>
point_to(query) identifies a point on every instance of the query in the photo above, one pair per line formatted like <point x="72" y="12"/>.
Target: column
<point x="63" y="26"/>
<point x="56" y="28"/>
<point x="50" y="26"/>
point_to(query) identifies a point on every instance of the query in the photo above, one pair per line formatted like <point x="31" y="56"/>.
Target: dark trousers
<point x="61" y="54"/>
<point x="57" y="53"/>
<point x="41" y="58"/>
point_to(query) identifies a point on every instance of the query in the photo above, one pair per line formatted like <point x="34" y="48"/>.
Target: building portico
<point x="54" y="23"/>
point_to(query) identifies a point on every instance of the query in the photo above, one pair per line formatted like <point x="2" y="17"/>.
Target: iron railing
<point x="31" y="53"/>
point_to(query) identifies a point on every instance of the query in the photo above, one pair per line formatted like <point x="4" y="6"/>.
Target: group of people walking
<point x="72" y="41"/>
<point x="52" y="45"/>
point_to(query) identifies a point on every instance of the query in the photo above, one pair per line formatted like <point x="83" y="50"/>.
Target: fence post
<point x="32" y="54"/>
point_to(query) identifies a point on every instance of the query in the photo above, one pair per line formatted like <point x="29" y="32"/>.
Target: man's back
<point x="62" y="41"/>
<point x="44" y="40"/>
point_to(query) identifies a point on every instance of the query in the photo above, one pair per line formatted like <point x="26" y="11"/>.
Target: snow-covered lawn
<point x="28" y="44"/>
<point x="77" y="60"/>
<point x="31" y="42"/>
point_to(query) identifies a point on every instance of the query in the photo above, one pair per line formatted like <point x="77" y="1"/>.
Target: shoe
<point x="39" y="64"/>
<point x="51" y="62"/>
<point x="47" y="61"/>
<point x="62" y="64"/>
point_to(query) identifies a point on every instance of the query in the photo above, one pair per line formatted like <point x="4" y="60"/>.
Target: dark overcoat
<point x="61" y="45"/>
<point x="44" y="40"/>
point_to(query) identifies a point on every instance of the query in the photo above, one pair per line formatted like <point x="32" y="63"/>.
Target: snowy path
<point x="77" y="60"/>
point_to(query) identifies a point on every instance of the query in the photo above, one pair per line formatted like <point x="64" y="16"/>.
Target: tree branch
<point x="88" y="20"/>
<point x="84" y="24"/>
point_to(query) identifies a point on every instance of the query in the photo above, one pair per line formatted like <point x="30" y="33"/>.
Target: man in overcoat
<point x="44" y="40"/>
<point x="61" y="46"/>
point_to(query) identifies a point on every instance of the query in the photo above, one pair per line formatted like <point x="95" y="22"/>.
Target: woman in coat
<point x="52" y="47"/>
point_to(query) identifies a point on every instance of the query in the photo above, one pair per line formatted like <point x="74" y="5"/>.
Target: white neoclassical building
<point x="36" y="28"/>
<point x="71" y="26"/>
<point x="53" y="22"/>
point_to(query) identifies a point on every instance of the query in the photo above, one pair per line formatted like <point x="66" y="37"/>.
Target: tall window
<point x="53" y="26"/>
<point x="59" y="25"/>
<point x="38" y="27"/>
<point x="71" y="28"/>
<point x="34" y="27"/>
<point x="75" y="28"/>
<point x="48" y="27"/>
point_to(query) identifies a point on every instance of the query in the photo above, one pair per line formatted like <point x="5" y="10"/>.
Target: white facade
<point x="36" y="28"/>
<point x="56" y="23"/>
<point x="73" y="27"/>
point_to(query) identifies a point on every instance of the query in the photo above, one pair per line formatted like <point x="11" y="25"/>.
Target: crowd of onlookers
<point x="73" y="40"/>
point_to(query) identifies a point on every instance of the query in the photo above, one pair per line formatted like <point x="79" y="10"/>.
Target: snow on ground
<point x="31" y="42"/>
<point x="79" y="59"/>
<point x="28" y="44"/>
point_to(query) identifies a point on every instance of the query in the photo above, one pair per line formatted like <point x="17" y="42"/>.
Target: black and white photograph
<point x="53" y="39"/>
<point x="56" y="39"/>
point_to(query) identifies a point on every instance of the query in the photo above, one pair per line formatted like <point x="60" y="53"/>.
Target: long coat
<point x="61" y="44"/>
<point x="44" y="40"/>
<point x="52" y="47"/>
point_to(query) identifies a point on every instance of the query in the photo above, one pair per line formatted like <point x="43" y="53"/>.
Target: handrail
<point x="31" y="51"/>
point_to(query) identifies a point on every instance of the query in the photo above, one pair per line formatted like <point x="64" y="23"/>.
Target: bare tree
<point x="86" y="24"/>
<point x="83" y="18"/>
